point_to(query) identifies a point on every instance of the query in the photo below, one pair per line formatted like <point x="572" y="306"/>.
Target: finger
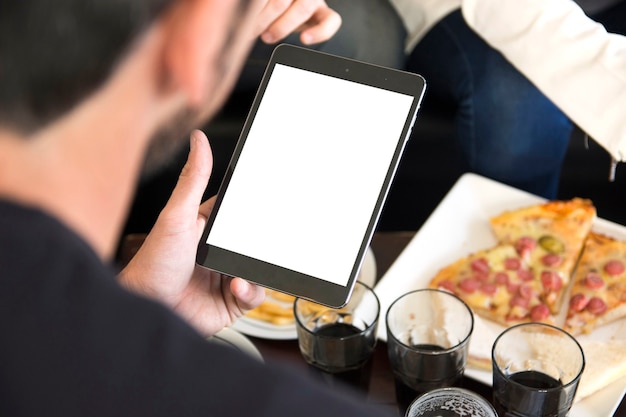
<point x="312" y="13"/>
<point x="203" y="214"/>
<point x="323" y="29"/>
<point x="248" y="295"/>
<point x="194" y="176"/>
<point x="207" y="207"/>
<point x="270" y="12"/>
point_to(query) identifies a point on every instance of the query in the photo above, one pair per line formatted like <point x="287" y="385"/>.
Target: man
<point x="85" y="85"/>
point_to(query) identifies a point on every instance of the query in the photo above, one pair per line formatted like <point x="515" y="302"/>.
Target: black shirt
<point x="75" y="343"/>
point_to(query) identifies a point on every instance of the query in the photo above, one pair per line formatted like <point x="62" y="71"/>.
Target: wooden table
<point x="381" y="393"/>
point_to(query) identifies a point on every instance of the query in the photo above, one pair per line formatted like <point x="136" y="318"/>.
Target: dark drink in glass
<point x="536" y="369"/>
<point x="338" y="343"/>
<point x="433" y="368"/>
<point x="338" y="347"/>
<point x="428" y="333"/>
<point x="545" y="397"/>
<point x="343" y="352"/>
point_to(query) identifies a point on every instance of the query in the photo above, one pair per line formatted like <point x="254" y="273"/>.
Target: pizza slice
<point x="549" y="237"/>
<point x="497" y="284"/>
<point x="598" y="294"/>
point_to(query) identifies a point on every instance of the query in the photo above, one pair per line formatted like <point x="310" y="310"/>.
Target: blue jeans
<point x="506" y="128"/>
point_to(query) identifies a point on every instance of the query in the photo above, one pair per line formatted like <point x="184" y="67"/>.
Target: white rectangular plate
<point x="460" y="226"/>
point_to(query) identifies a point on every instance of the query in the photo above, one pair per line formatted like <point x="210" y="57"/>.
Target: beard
<point x="168" y="142"/>
<point x="170" y="139"/>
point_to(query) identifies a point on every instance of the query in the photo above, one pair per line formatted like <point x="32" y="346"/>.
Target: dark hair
<point x="54" y="53"/>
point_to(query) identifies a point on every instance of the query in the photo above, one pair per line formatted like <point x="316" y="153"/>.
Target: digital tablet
<point x="308" y="178"/>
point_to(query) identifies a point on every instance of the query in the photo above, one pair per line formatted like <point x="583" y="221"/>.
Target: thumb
<point x="194" y="177"/>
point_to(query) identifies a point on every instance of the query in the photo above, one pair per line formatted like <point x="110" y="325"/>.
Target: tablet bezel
<point x="279" y="278"/>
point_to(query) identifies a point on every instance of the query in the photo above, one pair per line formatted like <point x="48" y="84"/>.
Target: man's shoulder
<point x="22" y="223"/>
<point x="35" y="243"/>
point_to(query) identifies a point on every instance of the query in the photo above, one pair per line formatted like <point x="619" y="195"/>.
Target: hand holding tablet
<point x="310" y="173"/>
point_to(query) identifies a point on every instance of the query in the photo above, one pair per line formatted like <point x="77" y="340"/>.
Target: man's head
<point x="86" y="84"/>
<point x="54" y="54"/>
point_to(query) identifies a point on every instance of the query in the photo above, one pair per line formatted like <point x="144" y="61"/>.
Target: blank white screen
<point x="310" y="172"/>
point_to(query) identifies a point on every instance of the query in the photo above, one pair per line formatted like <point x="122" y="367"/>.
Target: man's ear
<point x="197" y="30"/>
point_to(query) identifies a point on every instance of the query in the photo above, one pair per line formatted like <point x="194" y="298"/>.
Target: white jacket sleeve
<point x="569" y="57"/>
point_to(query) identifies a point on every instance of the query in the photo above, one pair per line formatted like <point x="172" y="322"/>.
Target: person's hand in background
<point x="313" y="19"/>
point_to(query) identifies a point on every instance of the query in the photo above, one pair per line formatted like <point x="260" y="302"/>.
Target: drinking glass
<point x="536" y="371"/>
<point x="338" y="343"/>
<point x="428" y="333"/>
<point x="450" y="402"/>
